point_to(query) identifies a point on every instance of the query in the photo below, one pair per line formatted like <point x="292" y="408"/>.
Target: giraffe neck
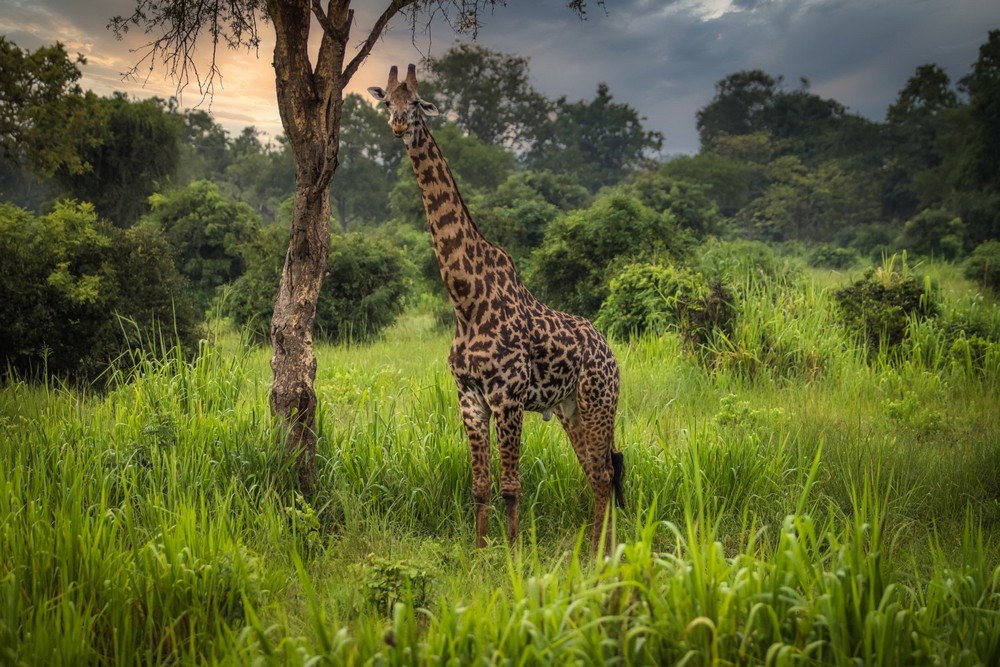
<point x="458" y="243"/>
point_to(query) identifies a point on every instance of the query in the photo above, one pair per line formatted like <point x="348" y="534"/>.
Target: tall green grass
<point x="820" y="509"/>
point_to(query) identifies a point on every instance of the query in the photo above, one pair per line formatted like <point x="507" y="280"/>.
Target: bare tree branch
<point x="373" y="36"/>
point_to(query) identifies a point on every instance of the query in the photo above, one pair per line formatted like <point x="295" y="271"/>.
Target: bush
<point x="744" y="263"/>
<point x="76" y="293"/>
<point x="829" y="256"/>
<point x="933" y="233"/>
<point x="688" y="202"/>
<point x="650" y="297"/>
<point x="983" y="266"/>
<point x="573" y="267"/>
<point x="878" y="307"/>
<point x="363" y="292"/>
<point x="206" y="232"/>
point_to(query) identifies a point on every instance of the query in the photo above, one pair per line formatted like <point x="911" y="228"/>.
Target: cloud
<point x="661" y="57"/>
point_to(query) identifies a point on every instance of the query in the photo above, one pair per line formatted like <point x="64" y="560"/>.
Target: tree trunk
<point x="293" y="396"/>
<point x="309" y="100"/>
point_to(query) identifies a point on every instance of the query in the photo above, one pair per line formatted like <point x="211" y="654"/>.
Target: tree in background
<point x="739" y="106"/>
<point x="572" y="268"/>
<point x="915" y="123"/>
<point x="599" y="142"/>
<point x="981" y="158"/>
<point x="369" y="161"/>
<point x="206" y="232"/>
<point x="262" y="175"/>
<point x="368" y="285"/>
<point x="45" y="118"/>
<point x="135" y="151"/>
<point x="206" y="151"/>
<point x="310" y="94"/>
<point x="488" y="94"/>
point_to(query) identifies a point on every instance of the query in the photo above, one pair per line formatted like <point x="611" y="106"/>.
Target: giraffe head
<point x="404" y="104"/>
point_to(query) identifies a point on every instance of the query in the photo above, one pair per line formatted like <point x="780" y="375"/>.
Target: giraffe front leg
<point x="509" y="416"/>
<point x="476" y="417"/>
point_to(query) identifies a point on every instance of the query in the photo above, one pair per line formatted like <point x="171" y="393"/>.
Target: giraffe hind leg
<point x="591" y="438"/>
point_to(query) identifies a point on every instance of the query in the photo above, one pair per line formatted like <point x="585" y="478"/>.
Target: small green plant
<point x="983" y="266"/>
<point x="914" y="414"/>
<point x="386" y="582"/>
<point x="877" y="307"/>
<point x="303" y="521"/>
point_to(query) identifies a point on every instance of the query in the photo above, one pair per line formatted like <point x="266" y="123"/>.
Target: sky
<point x="662" y="57"/>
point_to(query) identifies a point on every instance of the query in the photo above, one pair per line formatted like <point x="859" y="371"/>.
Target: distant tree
<point x="575" y="263"/>
<point x="369" y="160"/>
<point x="206" y="232"/>
<point x="983" y="266"/>
<point x="686" y="201"/>
<point x="916" y="123"/>
<point x="310" y="93"/>
<point x="726" y="181"/>
<point x="933" y="233"/>
<point x="981" y="158"/>
<point x="599" y="142"/>
<point x="45" y="117"/>
<point x="205" y="150"/>
<point x="739" y="105"/>
<point x="136" y="152"/>
<point x="488" y="94"/>
<point x="261" y="175"/>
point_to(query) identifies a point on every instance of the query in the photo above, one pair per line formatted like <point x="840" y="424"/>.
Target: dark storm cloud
<point x="663" y="57"/>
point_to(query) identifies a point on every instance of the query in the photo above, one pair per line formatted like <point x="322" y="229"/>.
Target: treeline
<point x="575" y="190"/>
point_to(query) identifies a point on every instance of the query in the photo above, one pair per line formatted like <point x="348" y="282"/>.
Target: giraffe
<point x="511" y="352"/>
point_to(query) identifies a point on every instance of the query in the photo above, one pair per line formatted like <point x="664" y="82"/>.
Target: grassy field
<point x="790" y="502"/>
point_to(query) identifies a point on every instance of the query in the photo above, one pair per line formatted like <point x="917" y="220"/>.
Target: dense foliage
<point x="77" y="293"/>
<point x="364" y="291"/>
<point x="572" y="268"/>
<point x="206" y="233"/>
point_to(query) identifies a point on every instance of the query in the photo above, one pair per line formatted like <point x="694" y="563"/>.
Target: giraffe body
<point x="511" y="353"/>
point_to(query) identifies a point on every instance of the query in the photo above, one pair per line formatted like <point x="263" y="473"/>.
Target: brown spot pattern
<point x="511" y="352"/>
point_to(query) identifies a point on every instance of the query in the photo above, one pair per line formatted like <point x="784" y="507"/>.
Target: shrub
<point x="647" y="297"/>
<point x="878" y="306"/>
<point x="76" y="293"/>
<point x="743" y="263"/>
<point x="829" y="256"/>
<point x="651" y="297"/>
<point x="687" y="201"/>
<point x="363" y="292"/>
<point x="933" y="232"/>
<point x="206" y="232"/>
<point x="983" y="266"/>
<point x="573" y="267"/>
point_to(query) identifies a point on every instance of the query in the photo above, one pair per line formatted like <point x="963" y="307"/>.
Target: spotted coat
<point x="511" y="352"/>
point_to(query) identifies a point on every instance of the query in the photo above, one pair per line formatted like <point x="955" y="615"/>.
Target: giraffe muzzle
<point x="399" y="130"/>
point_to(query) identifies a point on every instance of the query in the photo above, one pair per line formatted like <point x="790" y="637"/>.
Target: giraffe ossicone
<point x="511" y="352"/>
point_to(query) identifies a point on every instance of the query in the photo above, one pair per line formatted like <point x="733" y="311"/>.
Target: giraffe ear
<point x="427" y="108"/>
<point x="377" y="93"/>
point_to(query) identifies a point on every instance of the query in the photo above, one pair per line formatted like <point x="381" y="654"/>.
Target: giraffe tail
<point x="618" y="477"/>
